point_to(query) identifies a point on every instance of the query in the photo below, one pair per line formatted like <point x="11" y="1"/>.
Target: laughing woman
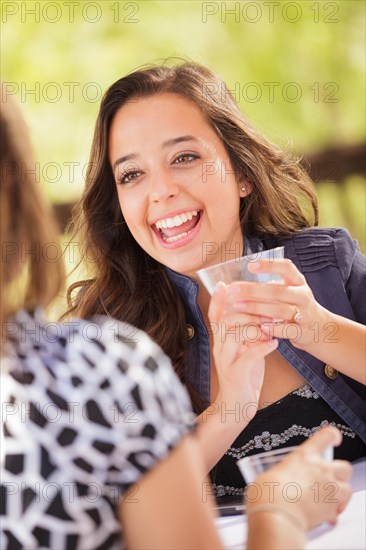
<point x="180" y="180"/>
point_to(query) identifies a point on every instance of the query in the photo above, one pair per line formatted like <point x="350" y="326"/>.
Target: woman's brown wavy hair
<point x="28" y="277"/>
<point x="127" y="283"/>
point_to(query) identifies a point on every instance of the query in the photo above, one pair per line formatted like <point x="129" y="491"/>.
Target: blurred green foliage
<point x="297" y="69"/>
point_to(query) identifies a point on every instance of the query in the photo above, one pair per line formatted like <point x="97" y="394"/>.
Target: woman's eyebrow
<point x="165" y="144"/>
<point x="123" y="159"/>
<point x="180" y="139"/>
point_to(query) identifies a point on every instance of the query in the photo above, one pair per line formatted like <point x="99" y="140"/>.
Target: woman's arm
<point x="238" y="375"/>
<point x="240" y="365"/>
<point x="331" y="338"/>
<point x="269" y="531"/>
<point x="173" y="508"/>
<point x="345" y="350"/>
<point x="236" y="402"/>
<point x="275" y="521"/>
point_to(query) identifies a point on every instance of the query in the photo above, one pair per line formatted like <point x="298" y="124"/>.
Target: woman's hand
<point x="287" y="310"/>
<point x="238" y="376"/>
<point x="303" y="485"/>
<point x="239" y="356"/>
<point x="290" y="311"/>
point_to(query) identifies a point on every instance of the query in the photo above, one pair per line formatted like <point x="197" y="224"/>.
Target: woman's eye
<point x="185" y="158"/>
<point x="128" y="177"/>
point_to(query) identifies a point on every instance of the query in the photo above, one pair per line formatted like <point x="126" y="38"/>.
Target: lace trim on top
<point x="274" y="416"/>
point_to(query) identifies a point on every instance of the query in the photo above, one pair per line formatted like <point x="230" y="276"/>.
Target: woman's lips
<point x="169" y="232"/>
<point x="176" y="237"/>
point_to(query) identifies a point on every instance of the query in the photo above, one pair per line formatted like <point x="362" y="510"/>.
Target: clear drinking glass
<point x="251" y="466"/>
<point x="237" y="270"/>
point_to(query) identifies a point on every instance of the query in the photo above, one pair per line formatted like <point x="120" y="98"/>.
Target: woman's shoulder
<point x="95" y="403"/>
<point x="321" y="236"/>
<point x="317" y="248"/>
<point x="102" y="372"/>
<point x="100" y="356"/>
<point x="130" y="353"/>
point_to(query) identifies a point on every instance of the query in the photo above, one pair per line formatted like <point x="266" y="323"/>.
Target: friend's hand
<point x="239" y="361"/>
<point x="320" y="489"/>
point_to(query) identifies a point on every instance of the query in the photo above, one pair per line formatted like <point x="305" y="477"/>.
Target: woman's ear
<point x="245" y="188"/>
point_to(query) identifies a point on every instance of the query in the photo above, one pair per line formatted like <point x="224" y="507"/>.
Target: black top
<point x="281" y="425"/>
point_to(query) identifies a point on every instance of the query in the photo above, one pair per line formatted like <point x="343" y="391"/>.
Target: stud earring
<point x="242" y="188"/>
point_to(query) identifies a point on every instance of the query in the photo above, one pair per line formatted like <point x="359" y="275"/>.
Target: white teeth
<point x="177" y="237"/>
<point x="176" y="221"/>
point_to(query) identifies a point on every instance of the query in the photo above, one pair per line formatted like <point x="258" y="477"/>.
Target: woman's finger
<point x="217" y="303"/>
<point x="342" y="469"/>
<point x="259" y="350"/>
<point x="253" y="353"/>
<point x="277" y="310"/>
<point x="285" y="268"/>
<point x="245" y="326"/>
<point x="288" y="331"/>
<point x="329" y="436"/>
<point x="242" y="291"/>
<point x="345" y="493"/>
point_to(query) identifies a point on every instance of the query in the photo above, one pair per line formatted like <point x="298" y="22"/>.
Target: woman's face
<point x="176" y="186"/>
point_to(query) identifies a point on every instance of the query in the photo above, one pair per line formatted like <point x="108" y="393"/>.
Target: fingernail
<point x="218" y="288"/>
<point x="266" y="327"/>
<point x="241" y="306"/>
<point x="234" y="289"/>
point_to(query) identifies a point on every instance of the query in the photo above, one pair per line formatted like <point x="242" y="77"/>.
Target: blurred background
<point x="296" y="68"/>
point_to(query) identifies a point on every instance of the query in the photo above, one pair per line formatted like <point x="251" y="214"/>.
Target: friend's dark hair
<point x="125" y="282"/>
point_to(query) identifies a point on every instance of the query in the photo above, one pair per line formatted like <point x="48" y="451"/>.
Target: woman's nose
<point x="163" y="187"/>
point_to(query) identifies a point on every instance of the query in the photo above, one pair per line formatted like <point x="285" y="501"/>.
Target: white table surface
<point x="348" y="534"/>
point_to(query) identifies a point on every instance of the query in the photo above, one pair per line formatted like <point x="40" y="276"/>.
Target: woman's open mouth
<point x="177" y="230"/>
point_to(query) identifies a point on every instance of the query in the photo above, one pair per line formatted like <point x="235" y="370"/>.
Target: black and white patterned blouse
<point x="87" y="409"/>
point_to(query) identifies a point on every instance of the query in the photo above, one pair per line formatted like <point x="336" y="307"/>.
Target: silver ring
<point x="297" y="318"/>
